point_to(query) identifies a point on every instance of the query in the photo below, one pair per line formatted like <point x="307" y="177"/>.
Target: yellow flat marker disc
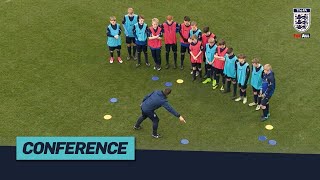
<point x="179" y="81"/>
<point x="107" y="117"/>
<point x="269" y="127"/>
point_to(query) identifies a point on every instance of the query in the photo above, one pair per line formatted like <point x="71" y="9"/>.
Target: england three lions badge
<point x="301" y="19"/>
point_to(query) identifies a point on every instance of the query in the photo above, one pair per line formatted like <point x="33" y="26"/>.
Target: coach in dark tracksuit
<point x="268" y="87"/>
<point x="152" y="102"/>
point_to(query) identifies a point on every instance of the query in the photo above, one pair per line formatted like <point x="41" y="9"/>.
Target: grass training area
<point x="56" y="79"/>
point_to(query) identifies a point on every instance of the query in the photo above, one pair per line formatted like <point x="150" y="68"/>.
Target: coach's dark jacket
<point x="155" y="100"/>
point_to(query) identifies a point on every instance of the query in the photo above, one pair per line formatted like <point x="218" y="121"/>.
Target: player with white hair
<point x="128" y="22"/>
<point x="268" y="88"/>
<point x="155" y="33"/>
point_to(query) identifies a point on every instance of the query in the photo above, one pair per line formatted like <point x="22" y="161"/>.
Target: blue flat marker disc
<point x="184" y="141"/>
<point x="262" y="138"/>
<point x="168" y="84"/>
<point x="113" y="100"/>
<point x="272" y="142"/>
<point x="155" y="78"/>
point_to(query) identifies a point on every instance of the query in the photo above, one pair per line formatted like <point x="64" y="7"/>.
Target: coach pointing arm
<point x="169" y="108"/>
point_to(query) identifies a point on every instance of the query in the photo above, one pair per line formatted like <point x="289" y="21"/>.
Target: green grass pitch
<point x="55" y="79"/>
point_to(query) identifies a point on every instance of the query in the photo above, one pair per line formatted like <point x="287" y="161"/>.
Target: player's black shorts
<point x="114" y="48"/>
<point x="232" y="79"/>
<point x="130" y="40"/>
<point x="141" y="48"/>
<point x="265" y="101"/>
<point x="218" y="71"/>
<point x="184" y="49"/>
<point x="197" y="65"/>
<point x="171" y="46"/>
<point x="255" y="90"/>
<point x="243" y="87"/>
<point x="208" y="66"/>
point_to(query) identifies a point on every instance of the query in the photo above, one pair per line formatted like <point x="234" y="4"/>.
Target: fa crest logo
<point x="301" y="19"/>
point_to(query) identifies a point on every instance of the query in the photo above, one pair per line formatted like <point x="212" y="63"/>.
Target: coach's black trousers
<point x="154" y="118"/>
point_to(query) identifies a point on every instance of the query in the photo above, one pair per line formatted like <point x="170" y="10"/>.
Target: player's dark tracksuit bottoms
<point x="152" y="102"/>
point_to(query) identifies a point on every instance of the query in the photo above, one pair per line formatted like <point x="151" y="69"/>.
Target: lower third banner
<point x="75" y="148"/>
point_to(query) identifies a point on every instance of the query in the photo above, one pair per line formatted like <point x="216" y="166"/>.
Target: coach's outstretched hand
<point x="182" y="119"/>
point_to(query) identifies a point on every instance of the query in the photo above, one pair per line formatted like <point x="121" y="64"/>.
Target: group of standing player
<point x="220" y="60"/>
